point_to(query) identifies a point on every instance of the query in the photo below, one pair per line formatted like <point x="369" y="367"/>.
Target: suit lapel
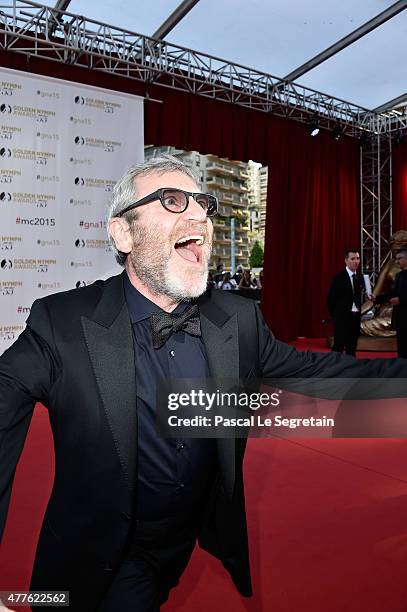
<point x="108" y="336"/>
<point x="220" y="336"/>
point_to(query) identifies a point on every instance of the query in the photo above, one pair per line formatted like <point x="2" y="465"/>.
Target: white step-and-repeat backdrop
<point x="62" y="147"/>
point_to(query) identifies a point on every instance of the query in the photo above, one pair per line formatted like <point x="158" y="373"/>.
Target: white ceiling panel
<point x="276" y="36"/>
<point x="371" y="71"/>
<point x="133" y="15"/>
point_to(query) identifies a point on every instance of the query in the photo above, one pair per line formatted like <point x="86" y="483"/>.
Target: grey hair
<point x="124" y="191"/>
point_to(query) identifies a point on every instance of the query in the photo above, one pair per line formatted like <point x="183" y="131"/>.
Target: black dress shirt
<point x="173" y="475"/>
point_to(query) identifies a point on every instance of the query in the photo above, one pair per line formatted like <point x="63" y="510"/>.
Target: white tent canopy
<point x="278" y="37"/>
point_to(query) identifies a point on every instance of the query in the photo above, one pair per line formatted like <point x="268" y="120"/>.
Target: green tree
<point x="256" y="256"/>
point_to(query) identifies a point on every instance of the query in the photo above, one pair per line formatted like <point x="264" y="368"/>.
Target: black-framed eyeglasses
<point x="176" y="201"/>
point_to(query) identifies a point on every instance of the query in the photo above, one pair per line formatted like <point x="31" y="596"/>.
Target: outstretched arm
<point x="27" y="371"/>
<point x="279" y="360"/>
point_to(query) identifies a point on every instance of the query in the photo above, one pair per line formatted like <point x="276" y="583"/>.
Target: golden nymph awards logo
<point x="10" y="332"/>
<point x="109" y="146"/>
<point x="7" y="176"/>
<point x="98" y="103"/>
<point x="9" y="287"/>
<point x="105" y="184"/>
<point x="41" y="115"/>
<point x="8" y="88"/>
<point x="80" y="243"/>
<point x="40" y="157"/>
<point x="40" y="265"/>
<point x="7" y="132"/>
<point x="7" y="243"/>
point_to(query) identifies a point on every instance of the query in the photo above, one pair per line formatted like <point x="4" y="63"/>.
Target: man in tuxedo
<point x="398" y="298"/>
<point x="127" y="506"/>
<point x="344" y="302"/>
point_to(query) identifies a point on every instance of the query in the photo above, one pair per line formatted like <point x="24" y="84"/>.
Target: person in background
<point x="381" y="325"/>
<point x="237" y="277"/>
<point x="219" y="273"/>
<point x="227" y="283"/>
<point x="246" y="281"/>
<point x="397" y="297"/>
<point x="211" y="283"/>
<point x="344" y="302"/>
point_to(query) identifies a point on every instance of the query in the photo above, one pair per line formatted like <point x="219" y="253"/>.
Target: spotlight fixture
<point x="313" y="126"/>
<point x="337" y="132"/>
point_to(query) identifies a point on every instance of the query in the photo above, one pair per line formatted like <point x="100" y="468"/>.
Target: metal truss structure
<point x="49" y="33"/>
<point x="376" y="203"/>
<point x="42" y="31"/>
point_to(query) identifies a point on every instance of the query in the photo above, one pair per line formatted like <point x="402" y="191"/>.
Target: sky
<point x="276" y="36"/>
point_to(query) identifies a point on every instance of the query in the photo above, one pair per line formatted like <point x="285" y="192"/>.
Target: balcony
<point x="224" y="196"/>
<point x="220" y="251"/>
<point x="219" y="169"/>
<point x="230" y="198"/>
<point x="225" y="183"/>
<point x="225" y="211"/>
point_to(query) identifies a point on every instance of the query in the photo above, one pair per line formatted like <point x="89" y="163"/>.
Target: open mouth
<point x="190" y="248"/>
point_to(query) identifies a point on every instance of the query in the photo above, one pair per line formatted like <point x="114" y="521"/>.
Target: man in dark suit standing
<point x="128" y="506"/>
<point x="398" y="298"/>
<point x="344" y="302"/>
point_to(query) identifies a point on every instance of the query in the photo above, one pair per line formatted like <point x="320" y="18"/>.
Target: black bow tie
<point x="164" y="324"/>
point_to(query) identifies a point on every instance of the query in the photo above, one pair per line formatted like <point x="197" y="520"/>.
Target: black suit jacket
<point x="399" y="317"/>
<point x="340" y="295"/>
<point x="76" y="357"/>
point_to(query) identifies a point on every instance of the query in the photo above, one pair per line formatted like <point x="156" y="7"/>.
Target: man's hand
<point x="4" y="609"/>
<point x="395" y="301"/>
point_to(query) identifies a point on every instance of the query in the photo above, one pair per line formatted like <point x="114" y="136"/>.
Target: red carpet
<point x="327" y="522"/>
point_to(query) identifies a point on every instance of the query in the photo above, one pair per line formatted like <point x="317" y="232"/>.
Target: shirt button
<point x="172" y="353"/>
<point x="181" y="484"/>
<point x="180" y="446"/>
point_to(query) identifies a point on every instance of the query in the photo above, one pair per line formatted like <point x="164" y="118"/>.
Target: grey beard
<point x="178" y="293"/>
<point x="151" y="266"/>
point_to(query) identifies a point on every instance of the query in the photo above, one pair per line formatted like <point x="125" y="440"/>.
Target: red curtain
<point x="400" y="186"/>
<point x="313" y="209"/>
<point x="314" y="215"/>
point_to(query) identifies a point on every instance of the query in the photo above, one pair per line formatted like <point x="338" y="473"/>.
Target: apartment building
<point x="228" y="181"/>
